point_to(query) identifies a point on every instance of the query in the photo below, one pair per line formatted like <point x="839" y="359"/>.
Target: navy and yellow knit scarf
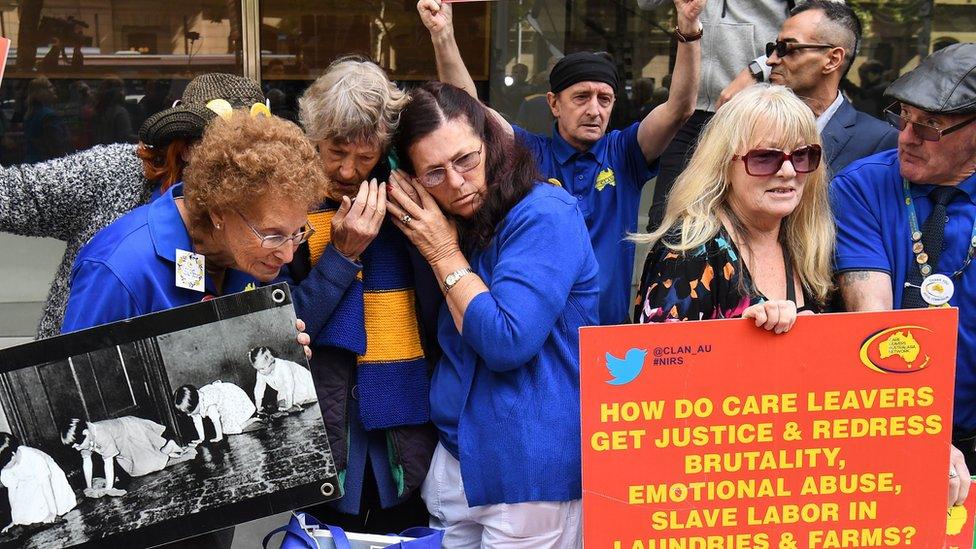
<point x="377" y="320"/>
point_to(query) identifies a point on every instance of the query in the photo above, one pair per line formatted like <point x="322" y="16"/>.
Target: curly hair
<point x="510" y="171"/>
<point x="353" y="102"/>
<point x="245" y="158"/>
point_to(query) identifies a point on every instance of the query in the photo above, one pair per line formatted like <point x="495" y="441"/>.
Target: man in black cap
<point x="605" y="171"/>
<point x="906" y="221"/>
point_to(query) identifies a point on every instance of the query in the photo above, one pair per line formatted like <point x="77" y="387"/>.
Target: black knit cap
<point x="584" y="66"/>
<point x="943" y="83"/>
<point x="188" y="119"/>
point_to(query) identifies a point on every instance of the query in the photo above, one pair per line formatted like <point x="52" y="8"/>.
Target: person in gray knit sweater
<point x="73" y="197"/>
<point x="70" y="198"/>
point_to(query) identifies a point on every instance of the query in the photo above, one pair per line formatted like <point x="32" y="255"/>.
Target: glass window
<point x="82" y="73"/>
<point x="299" y="39"/>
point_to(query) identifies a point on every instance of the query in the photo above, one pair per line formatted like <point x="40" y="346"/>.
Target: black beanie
<point x="584" y="66"/>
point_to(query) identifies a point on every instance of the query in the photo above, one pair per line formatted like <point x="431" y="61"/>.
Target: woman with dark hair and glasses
<point x="747" y="230"/>
<point x="519" y="279"/>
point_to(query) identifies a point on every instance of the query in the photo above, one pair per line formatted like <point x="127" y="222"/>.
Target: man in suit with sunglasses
<point x="812" y="53"/>
<point x="906" y="222"/>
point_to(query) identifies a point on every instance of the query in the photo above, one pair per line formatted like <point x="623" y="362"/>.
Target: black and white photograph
<point x="161" y="427"/>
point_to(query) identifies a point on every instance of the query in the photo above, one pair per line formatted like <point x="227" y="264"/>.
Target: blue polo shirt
<point x="873" y="234"/>
<point x="128" y="269"/>
<point x="607" y="181"/>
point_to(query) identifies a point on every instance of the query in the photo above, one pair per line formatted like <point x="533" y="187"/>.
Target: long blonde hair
<point x="699" y="198"/>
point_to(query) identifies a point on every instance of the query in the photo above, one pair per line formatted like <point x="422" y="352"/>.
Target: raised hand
<point x="688" y="12"/>
<point x="437" y="16"/>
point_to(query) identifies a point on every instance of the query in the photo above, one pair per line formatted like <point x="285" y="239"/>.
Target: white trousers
<point x="530" y="525"/>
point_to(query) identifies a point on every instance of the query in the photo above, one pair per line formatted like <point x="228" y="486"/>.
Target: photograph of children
<point x="160" y="428"/>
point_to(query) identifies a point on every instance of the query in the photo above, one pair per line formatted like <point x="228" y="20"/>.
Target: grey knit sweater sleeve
<point x="70" y="198"/>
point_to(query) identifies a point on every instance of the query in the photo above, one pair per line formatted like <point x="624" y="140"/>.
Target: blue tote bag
<point x="299" y="534"/>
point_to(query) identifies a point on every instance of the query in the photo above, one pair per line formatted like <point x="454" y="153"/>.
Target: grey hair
<point x="353" y="102"/>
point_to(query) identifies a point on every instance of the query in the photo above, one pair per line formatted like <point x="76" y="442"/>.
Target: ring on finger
<point x="953" y="473"/>
<point x="406" y="219"/>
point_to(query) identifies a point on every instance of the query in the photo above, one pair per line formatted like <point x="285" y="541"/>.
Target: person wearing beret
<point x="73" y="197"/>
<point x="604" y="171"/>
<point x="906" y="222"/>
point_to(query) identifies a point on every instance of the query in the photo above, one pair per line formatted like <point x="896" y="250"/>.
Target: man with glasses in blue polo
<point x="906" y="222"/>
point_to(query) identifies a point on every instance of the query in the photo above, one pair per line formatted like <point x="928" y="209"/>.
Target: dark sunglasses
<point x="768" y="161"/>
<point x="783" y="48"/>
<point x="923" y="131"/>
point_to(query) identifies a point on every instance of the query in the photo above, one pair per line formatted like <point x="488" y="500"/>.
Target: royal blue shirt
<point x="129" y="268"/>
<point x="607" y="180"/>
<point x="505" y="394"/>
<point x="873" y="234"/>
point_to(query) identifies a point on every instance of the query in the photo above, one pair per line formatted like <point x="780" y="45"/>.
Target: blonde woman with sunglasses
<point x="747" y="228"/>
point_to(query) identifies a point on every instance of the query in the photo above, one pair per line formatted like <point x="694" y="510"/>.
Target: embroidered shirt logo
<point x="555" y="182"/>
<point x="604" y="178"/>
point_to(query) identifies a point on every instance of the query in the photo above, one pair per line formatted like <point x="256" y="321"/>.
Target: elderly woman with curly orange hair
<point x="236" y="219"/>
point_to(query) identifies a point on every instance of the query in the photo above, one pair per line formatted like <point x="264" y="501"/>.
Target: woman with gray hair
<point x="355" y="282"/>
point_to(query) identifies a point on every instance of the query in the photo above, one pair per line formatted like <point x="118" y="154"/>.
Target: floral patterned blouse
<point x="704" y="284"/>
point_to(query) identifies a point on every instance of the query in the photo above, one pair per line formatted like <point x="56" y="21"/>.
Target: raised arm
<point x="662" y="123"/>
<point x="60" y="197"/>
<point x="438" y="17"/>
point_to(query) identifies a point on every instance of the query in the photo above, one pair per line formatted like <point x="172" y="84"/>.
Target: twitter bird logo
<point x="624" y="370"/>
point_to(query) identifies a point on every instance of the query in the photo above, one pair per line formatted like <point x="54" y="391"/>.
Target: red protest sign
<point x="4" y="50"/>
<point x="718" y="434"/>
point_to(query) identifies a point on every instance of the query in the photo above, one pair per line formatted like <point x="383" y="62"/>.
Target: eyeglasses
<point x="272" y="241"/>
<point x="768" y="161"/>
<point x="783" y="48"/>
<point x="923" y="131"/>
<point x="462" y="164"/>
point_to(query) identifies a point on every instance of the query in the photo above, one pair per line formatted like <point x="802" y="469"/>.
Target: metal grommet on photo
<point x="327" y="489"/>
<point x="278" y="295"/>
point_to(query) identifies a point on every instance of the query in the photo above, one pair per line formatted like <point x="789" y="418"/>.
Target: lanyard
<point x="922" y="258"/>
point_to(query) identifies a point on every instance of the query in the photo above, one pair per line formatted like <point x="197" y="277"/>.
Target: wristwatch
<point x="452" y="279"/>
<point x="757" y="71"/>
<point x="688" y="37"/>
